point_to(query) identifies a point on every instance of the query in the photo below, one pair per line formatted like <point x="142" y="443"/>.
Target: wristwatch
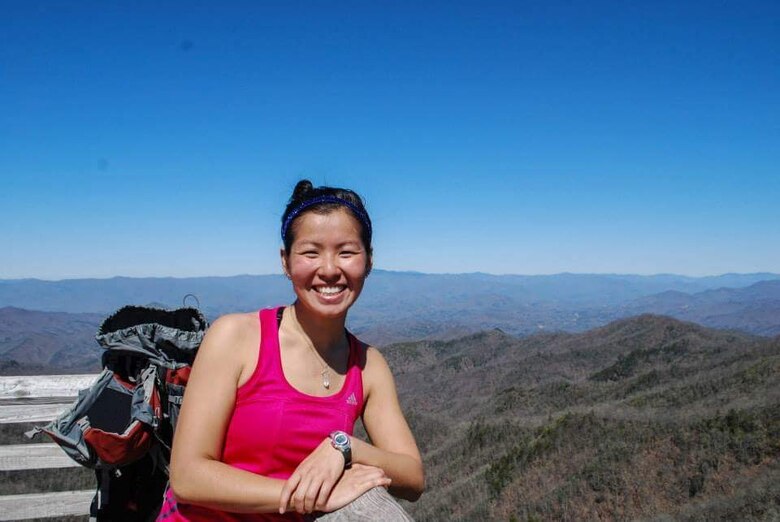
<point x="340" y="441"/>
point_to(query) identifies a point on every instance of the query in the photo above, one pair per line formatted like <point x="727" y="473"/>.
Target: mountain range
<point x="48" y="326"/>
<point x="398" y="291"/>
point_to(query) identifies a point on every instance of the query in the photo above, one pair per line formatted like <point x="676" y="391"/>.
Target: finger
<point x="299" y="496"/>
<point x="304" y="495"/>
<point x="287" y="491"/>
<point x="362" y="468"/>
<point x="378" y="482"/>
<point x="322" y="498"/>
<point x="371" y="481"/>
<point x="310" y="498"/>
<point x="371" y="472"/>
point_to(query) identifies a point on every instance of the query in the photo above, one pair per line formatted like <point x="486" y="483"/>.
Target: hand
<point x="353" y="483"/>
<point x="310" y="485"/>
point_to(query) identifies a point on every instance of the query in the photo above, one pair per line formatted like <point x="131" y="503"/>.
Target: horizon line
<point x="415" y="272"/>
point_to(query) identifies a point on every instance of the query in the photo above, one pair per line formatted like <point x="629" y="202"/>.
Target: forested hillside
<point x="646" y="417"/>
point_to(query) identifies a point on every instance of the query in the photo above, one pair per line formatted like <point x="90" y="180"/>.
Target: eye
<point x="309" y="253"/>
<point x="348" y="253"/>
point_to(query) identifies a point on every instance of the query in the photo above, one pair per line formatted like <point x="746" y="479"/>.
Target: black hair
<point x="304" y="191"/>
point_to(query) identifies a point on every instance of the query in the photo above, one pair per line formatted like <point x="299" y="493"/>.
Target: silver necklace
<point x="325" y="368"/>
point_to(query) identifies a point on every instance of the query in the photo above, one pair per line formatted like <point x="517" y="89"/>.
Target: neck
<point x="326" y="334"/>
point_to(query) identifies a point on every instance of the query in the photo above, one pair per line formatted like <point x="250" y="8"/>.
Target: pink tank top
<point x="274" y="426"/>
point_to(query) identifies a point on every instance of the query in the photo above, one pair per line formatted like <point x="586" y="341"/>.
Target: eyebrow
<point x="316" y="244"/>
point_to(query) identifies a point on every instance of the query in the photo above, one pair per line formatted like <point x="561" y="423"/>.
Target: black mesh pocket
<point x="111" y="411"/>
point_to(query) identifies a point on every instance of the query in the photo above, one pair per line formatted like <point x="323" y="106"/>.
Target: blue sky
<point x="163" y="138"/>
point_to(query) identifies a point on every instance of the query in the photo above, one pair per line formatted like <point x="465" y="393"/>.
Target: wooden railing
<point x="39" y="399"/>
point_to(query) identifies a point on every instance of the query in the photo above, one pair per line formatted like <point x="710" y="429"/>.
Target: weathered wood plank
<point x="33" y="456"/>
<point x="11" y="413"/>
<point x="15" y="387"/>
<point x="43" y="505"/>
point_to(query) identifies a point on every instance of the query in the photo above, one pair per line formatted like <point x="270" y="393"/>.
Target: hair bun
<point x="302" y="188"/>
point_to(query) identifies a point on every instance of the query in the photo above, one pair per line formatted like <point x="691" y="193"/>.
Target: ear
<point x="283" y="256"/>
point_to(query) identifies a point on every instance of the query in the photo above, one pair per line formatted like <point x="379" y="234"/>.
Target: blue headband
<point x="294" y="213"/>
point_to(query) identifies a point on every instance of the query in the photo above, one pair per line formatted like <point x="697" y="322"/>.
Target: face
<point x="327" y="262"/>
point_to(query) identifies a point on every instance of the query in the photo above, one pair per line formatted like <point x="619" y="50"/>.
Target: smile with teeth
<point x="329" y="290"/>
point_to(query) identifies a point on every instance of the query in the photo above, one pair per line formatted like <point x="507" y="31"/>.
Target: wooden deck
<point x="39" y="399"/>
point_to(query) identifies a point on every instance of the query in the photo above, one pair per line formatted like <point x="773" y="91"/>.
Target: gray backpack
<point x="122" y="426"/>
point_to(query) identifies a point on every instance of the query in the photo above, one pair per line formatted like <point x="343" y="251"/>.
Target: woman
<point x="269" y="431"/>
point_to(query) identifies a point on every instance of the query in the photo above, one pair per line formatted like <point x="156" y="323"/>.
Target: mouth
<point x="330" y="290"/>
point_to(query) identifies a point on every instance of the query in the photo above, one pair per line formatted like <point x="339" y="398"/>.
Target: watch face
<point x="341" y="439"/>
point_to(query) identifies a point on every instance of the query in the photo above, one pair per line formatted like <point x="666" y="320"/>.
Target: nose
<point x="329" y="268"/>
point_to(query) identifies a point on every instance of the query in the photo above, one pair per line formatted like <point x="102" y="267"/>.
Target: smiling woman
<point x="265" y="431"/>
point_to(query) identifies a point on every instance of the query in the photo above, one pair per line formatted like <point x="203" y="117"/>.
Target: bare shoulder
<point x="233" y="328"/>
<point x="234" y="325"/>
<point x="231" y="340"/>
<point x="375" y="359"/>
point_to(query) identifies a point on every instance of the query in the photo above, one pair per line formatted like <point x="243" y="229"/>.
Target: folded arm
<point x="392" y="447"/>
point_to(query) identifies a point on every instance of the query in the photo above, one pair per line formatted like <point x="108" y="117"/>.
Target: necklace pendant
<point x="325" y="380"/>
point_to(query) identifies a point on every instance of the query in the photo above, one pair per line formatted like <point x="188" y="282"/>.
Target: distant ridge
<point x="755" y="308"/>
<point x="399" y="306"/>
<point x="34" y="342"/>
<point x="101" y="295"/>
